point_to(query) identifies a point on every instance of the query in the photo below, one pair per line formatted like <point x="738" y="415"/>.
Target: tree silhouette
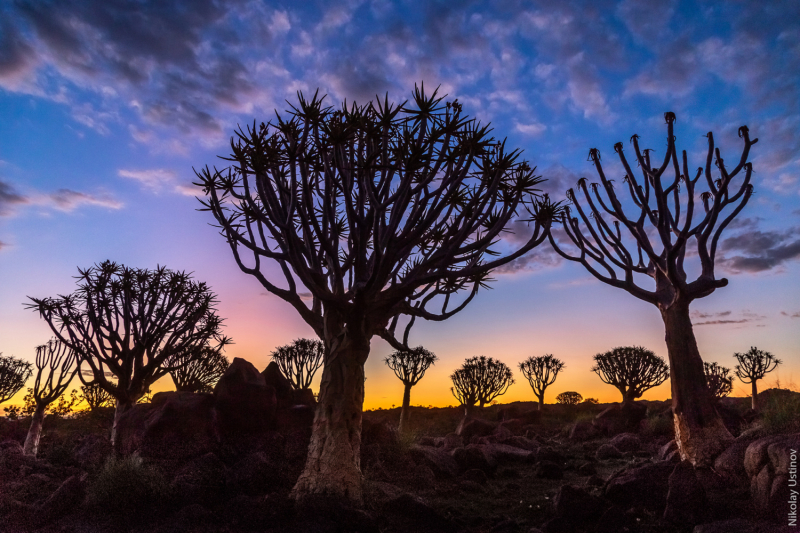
<point x="754" y="365"/>
<point x="541" y="372"/>
<point x="56" y="365"/>
<point x="299" y="361"/>
<point x="197" y="371"/>
<point x="569" y="398"/>
<point x="127" y="322"/>
<point x="620" y="250"/>
<point x="409" y="366"/>
<point x="13" y="375"/>
<point x="371" y="214"/>
<point x="480" y="380"/>
<point x="96" y="397"/>
<point x="631" y="369"/>
<point x="720" y="383"/>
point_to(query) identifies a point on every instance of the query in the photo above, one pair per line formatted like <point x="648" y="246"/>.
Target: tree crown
<point x="480" y="380"/>
<point x="631" y="369"/>
<point x="410" y="365"/>
<point x="300" y="360"/>
<point x="569" y="398"/>
<point x="541" y="371"/>
<point x="754" y="364"/>
<point x="13" y="375"/>
<point x="56" y="365"/>
<point x="719" y="382"/>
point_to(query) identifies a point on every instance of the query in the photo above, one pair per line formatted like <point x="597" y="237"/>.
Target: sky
<point x="109" y="106"/>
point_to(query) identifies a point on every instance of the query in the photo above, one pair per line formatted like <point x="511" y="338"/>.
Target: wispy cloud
<point x="157" y="180"/>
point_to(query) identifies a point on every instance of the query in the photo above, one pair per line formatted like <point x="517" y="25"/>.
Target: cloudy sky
<point x="108" y="106"/>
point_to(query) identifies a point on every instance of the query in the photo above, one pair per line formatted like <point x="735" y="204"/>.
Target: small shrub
<point x="128" y="487"/>
<point x="658" y="426"/>
<point x="782" y="414"/>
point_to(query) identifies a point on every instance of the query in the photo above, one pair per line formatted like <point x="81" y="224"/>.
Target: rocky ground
<point x="226" y="462"/>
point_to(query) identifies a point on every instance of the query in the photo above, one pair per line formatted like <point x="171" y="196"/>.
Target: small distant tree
<point x="754" y="365"/>
<point x="13" y="375"/>
<point x="197" y="371"/>
<point x="541" y="372"/>
<point x="480" y="380"/>
<point x="96" y="397"/>
<point x="720" y="383"/>
<point x="127" y="322"/>
<point x="409" y="366"/>
<point x="299" y="361"/>
<point x="56" y="365"/>
<point x="569" y="398"/>
<point x="591" y="401"/>
<point x="632" y="370"/>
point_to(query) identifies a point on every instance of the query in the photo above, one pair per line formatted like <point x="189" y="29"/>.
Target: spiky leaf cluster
<point x="541" y="372"/>
<point x="410" y="365"/>
<point x="480" y="380"/>
<point x="719" y="382"/>
<point x="754" y="364"/>
<point x="197" y="371"/>
<point x="300" y="360"/>
<point x="56" y="365"/>
<point x="13" y="375"/>
<point x="631" y="369"/>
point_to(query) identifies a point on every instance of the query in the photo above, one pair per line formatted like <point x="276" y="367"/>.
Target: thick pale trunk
<point x="405" y="410"/>
<point x="754" y="402"/>
<point x="122" y="407"/>
<point x="35" y="431"/>
<point x="699" y="431"/>
<point x="333" y="466"/>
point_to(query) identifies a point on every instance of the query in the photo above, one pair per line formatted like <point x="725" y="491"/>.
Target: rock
<point x="753" y="433"/>
<point x="474" y="428"/>
<point x="200" y="481"/>
<point x="646" y="486"/>
<point x="731" y="418"/>
<point x="471" y="486"/>
<point x="294" y="417"/>
<point x="667" y="449"/>
<point x="417" y="515"/>
<point x="175" y="425"/>
<point x="475" y="456"/>
<point x="582" y="431"/>
<point x="189" y="519"/>
<point x="686" y="498"/>
<point x="244" y="402"/>
<point x="256" y="474"/>
<point x="451" y="441"/>
<point x="546" y="453"/>
<point x="595" y="481"/>
<point x="507" y="413"/>
<point x="284" y="392"/>
<point x="522" y="443"/>
<point x="68" y="496"/>
<point x="587" y="469"/>
<point x="304" y="397"/>
<point x="92" y="450"/>
<point x="476" y="475"/>
<point x="501" y="433"/>
<point x="768" y="462"/>
<point x="531" y="417"/>
<point x="739" y="525"/>
<point x="730" y="463"/>
<point x="559" y="524"/>
<point x="673" y="457"/>
<point x="576" y="504"/>
<point x="615" y="520"/>
<point x="626" y="442"/>
<point x="549" y="470"/>
<point x="441" y="462"/>
<point x="504" y="453"/>
<point x="515" y="426"/>
<point x="424" y="476"/>
<point x="607" y="451"/>
<point x="426" y="441"/>
<point x="379" y="433"/>
<point x="620" y="418"/>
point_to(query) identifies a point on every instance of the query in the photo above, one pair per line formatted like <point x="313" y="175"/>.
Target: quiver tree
<point x="56" y="365"/>
<point x="569" y="398"/>
<point x="96" y="397"/>
<point x="480" y="380"/>
<point x="300" y="361"/>
<point x="648" y="238"/>
<point x="375" y="216"/>
<point x="13" y="375"/>
<point x="409" y="366"/>
<point x="754" y="365"/>
<point x="125" y="323"/>
<point x="718" y="379"/>
<point x="541" y="372"/>
<point x="632" y="370"/>
<point x="197" y="371"/>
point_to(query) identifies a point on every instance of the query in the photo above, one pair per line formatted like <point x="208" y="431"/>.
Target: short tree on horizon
<point x="753" y="365"/>
<point x="569" y="398"/>
<point x="13" y="375"/>
<point x="632" y="370"/>
<point x="124" y="323"/>
<point x="718" y="378"/>
<point x="300" y="361"/>
<point x="642" y="241"/>
<point x="56" y="366"/>
<point x="480" y="380"/>
<point x="363" y="219"/>
<point x="541" y="372"/>
<point x="409" y="366"/>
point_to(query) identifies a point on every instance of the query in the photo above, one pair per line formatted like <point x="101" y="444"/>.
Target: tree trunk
<point x="541" y="401"/>
<point x="333" y="466"/>
<point x="122" y="407"/>
<point x="405" y="411"/>
<point x="628" y="397"/>
<point x="754" y="403"/>
<point x="35" y="431"/>
<point x="699" y="431"/>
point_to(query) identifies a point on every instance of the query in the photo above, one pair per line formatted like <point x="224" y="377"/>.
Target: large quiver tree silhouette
<point x="409" y="366"/>
<point x="718" y="379"/>
<point x="378" y="212"/>
<point x="631" y="369"/>
<point x="753" y="365"/>
<point x="197" y="371"/>
<point x="13" y="375"/>
<point x="56" y="365"/>
<point x="125" y="323"/>
<point x="541" y="372"/>
<point x="651" y="241"/>
<point x="300" y="361"/>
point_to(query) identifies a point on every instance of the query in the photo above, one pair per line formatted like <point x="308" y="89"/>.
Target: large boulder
<point x="175" y="425"/>
<point x="686" y="498"/>
<point x="626" y="442"/>
<point x="284" y="392"/>
<point x="730" y="463"/>
<point x="619" y="418"/>
<point x="475" y="456"/>
<point x="474" y="427"/>
<point x="582" y="431"/>
<point x="770" y="462"/>
<point x="441" y="462"/>
<point x="607" y="451"/>
<point x="504" y="453"/>
<point x="645" y="486"/>
<point x="243" y="400"/>
<point x="576" y="504"/>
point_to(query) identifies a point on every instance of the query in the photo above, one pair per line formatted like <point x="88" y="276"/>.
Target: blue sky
<point x="107" y="107"/>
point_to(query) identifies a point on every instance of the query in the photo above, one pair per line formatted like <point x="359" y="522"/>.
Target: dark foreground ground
<point x="512" y="470"/>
